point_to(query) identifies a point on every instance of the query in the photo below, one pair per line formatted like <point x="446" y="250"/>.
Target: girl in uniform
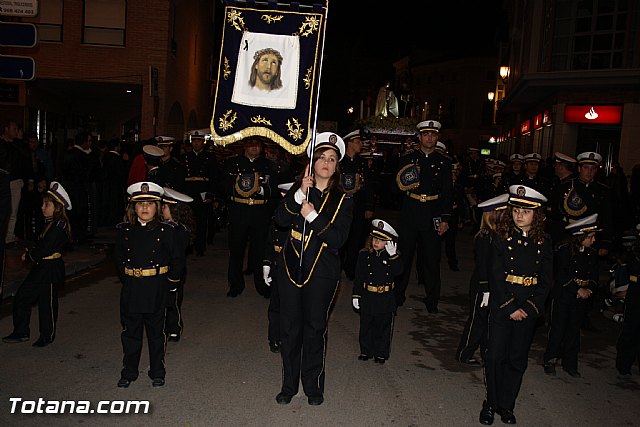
<point x="318" y="214"/>
<point x="475" y="330"/>
<point x="177" y="213"/>
<point x="519" y="282"/>
<point x="576" y="280"/>
<point x="150" y="262"/>
<point x="377" y="265"/>
<point x="47" y="274"/>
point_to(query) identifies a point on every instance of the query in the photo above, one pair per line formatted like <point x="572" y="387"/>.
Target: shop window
<point x="50" y="21"/>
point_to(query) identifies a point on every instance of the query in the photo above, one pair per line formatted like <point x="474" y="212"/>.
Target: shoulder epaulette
<point x="61" y="224"/>
<point x="171" y="224"/>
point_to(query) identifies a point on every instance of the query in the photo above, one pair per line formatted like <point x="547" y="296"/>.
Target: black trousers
<point x="564" y="332"/>
<point x="133" y="325"/>
<point x="628" y="345"/>
<point x="450" y="243"/>
<point x="475" y="331"/>
<point x="174" y="322"/>
<point x="273" y="312"/>
<point x="430" y="260"/>
<point x="46" y="295"/>
<point x="376" y="331"/>
<point x="247" y="224"/>
<point x="201" y="212"/>
<point x="506" y="358"/>
<point x="304" y="314"/>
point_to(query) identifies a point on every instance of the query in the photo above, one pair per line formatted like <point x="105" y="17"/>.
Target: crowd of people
<point x="306" y="221"/>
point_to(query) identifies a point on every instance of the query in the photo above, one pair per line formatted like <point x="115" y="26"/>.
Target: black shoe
<point x="174" y="337"/>
<point x="315" y="400"/>
<point x="274" y="346"/>
<point x="572" y="372"/>
<point x="41" y="342"/>
<point x="364" y="357"/>
<point x="157" y="382"/>
<point x="124" y="383"/>
<point x="472" y="361"/>
<point x="15" y="338"/>
<point x="283" y="399"/>
<point x="486" y="414"/>
<point x="506" y="415"/>
<point x="549" y="368"/>
<point x="379" y="360"/>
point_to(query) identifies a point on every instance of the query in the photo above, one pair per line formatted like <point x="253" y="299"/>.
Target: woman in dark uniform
<point x="318" y="212"/>
<point x="47" y="274"/>
<point x="519" y="282"/>
<point x="150" y="262"/>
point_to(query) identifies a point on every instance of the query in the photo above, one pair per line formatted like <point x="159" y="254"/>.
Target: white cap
<point x="584" y="225"/>
<point x="495" y="203"/>
<point x="152" y="151"/>
<point x="144" y="190"/>
<point x="352" y="135"/>
<point x="328" y="140"/>
<point x="172" y="196"/>
<point x="525" y="197"/>
<point x="383" y="230"/>
<point x="533" y="157"/>
<point x="165" y="140"/>
<point x="589" y="157"/>
<point x="57" y="191"/>
<point x="285" y="187"/>
<point x="561" y="157"/>
<point x="516" y="158"/>
<point x="429" y="126"/>
<point x="440" y="146"/>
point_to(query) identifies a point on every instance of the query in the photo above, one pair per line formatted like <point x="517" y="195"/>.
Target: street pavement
<point x="222" y="373"/>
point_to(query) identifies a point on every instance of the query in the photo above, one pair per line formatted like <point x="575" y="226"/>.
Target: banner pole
<point x="315" y="122"/>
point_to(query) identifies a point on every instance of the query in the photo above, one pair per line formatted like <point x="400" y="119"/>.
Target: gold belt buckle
<point x="380" y="289"/>
<point x="137" y="272"/>
<point x="423" y="197"/>
<point x="527" y="281"/>
<point x="250" y="202"/>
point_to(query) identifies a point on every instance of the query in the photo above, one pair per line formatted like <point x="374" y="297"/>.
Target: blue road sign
<point x="17" y="67"/>
<point x="18" y="34"/>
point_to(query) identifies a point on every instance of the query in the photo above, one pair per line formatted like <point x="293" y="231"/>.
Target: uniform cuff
<point x="312" y="215"/>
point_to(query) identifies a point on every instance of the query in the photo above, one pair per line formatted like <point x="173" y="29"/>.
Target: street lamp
<point x="504" y="73"/>
<point x="491" y="96"/>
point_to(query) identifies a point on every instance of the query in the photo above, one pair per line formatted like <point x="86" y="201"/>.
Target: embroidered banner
<point x="268" y="75"/>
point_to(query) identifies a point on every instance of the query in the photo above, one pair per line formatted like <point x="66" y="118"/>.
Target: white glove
<point x="356" y="303"/>
<point x="391" y="247"/>
<point x="485" y="299"/>
<point x="265" y="275"/>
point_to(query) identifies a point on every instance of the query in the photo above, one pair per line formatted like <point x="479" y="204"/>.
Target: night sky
<point x="364" y="39"/>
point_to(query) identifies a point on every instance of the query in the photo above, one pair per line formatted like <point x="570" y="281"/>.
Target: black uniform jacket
<point x="575" y="268"/>
<point x="522" y="257"/>
<point x="482" y="246"/>
<point x="357" y="180"/>
<point x="374" y="283"/>
<point x="149" y="247"/>
<point x="435" y="180"/>
<point x="49" y="246"/>
<point x="323" y="237"/>
<point x="246" y="179"/>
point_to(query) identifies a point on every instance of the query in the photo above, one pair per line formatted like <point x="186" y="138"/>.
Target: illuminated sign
<point x="485" y="151"/>
<point x="546" y="119"/>
<point x="537" y="122"/>
<point x="594" y="114"/>
<point x="525" y="127"/>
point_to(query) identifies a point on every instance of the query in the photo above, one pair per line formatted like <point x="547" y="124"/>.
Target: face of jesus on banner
<point x="266" y="70"/>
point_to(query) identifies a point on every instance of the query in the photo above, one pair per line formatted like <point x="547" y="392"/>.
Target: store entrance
<point x="604" y="140"/>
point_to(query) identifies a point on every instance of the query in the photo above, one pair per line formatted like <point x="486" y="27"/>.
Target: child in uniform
<point x="378" y="263"/>
<point x="177" y="213"/>
<point x="47" y="274"/>
<point x="576" y="280"/>
<point x="150" y="262"/>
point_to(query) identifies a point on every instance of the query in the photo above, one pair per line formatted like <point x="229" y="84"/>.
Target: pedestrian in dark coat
<point x="628" y="345"/>
<point x="150" y="262"/>
<point x="47" y="273"/>
<point x="318" y="213"/>
<point x="377" y="266"/>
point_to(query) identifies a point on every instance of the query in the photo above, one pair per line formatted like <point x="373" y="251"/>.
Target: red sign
<point x="546" y="119"/>
<point x="595" y="114"/>
<point x="537" y="122"/>
<point x="525" y="127"/>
